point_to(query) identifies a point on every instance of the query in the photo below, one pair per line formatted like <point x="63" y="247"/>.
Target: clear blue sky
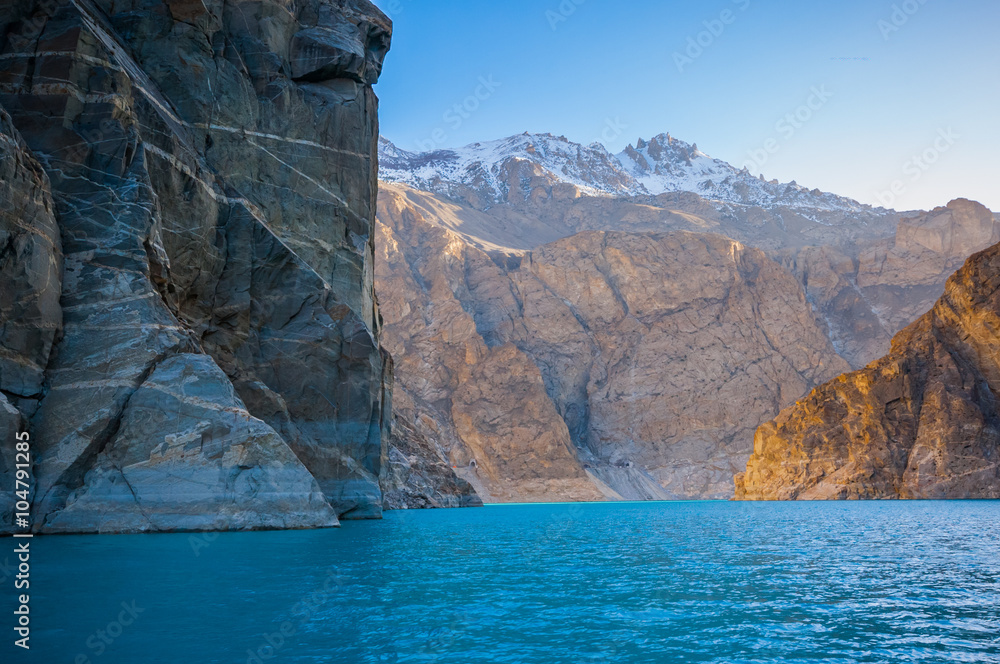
<point x="571" y="67"/>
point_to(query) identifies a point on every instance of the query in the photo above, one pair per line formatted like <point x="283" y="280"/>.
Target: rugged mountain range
<point x="644" y="359"/>
<point x="662" y="165"/>
<point x="189" y="326"/>
<point x="660" y="325"/>
<point x="664" y="171"/>
<point x="922" y="422"/>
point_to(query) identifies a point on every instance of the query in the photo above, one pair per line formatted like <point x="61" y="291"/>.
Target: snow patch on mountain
<point x="593" y="169"/>
<point x="661" y="165"/>
<point x="665" y="164"/>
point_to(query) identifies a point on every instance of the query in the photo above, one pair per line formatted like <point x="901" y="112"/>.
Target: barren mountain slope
<point x="649" y="358"/>
<point x="518" y="230"/>
<point x="922" y="422"/>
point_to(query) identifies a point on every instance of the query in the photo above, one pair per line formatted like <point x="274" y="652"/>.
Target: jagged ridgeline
<point x="189" y="324"/>
<point x="571" y="324"/>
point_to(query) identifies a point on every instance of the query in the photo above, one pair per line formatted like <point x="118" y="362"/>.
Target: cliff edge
<point x="922" y="422"/>
<point x="189" y="326"/>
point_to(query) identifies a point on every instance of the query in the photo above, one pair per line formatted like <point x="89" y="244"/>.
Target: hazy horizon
<point x="856" y="99"/>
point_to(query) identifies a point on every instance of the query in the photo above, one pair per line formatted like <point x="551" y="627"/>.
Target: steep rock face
<point x="523" y="449"/>
<point x="213" y="177"/>
<point x="869" y="294"/>
<point x="217" y="468"/>
<point x="30" y="315"/>
<point x="30" y="266"/>
<point x="673" y="347"/>
<point x="926" y="251"/>
<point x="938" y="240"/>
<point x="419" y="477"/>
<point x="829" y="276"/>
<point x="922" y="422"/>
<point x="648" y="359"/>
<point x="485" y="409"/>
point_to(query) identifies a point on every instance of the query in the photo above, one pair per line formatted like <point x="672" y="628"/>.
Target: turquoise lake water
<point x="653" y="582"/>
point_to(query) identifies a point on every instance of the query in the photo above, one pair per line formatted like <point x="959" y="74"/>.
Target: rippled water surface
<point x="663" y="582"/>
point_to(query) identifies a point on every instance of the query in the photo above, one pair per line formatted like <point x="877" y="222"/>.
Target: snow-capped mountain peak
<point x="661" y="165"/>
<point x="593" y="169"/>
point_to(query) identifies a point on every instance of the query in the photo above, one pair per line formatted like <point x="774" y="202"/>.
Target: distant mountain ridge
<point x="662" y="165"/>
<point x="571" y="324"/>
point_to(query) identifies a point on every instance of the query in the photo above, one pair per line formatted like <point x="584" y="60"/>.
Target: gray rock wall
<point x="199" y="185"/>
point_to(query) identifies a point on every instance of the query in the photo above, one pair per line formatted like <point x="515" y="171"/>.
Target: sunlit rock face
<point x="922" y="422"/>
<point x="869" y="294"/>
<point x="198" y="186"/>
<point x="605" y="364"/>
<point x="666" y="324"/>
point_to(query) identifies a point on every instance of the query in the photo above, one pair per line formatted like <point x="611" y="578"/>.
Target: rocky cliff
<point x="484" y="409"/>
<point x="660" y="355"/>
<point x="922" y="422"/>
<point x="869" y="291"/>
<point x="606" y="364"/>
<point x="547" y="187"/>
<point x="190" y="331"/>
<point x="419" y="477"/>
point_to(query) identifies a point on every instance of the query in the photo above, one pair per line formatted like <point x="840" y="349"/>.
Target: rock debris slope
<point x="190" y="329"/>
<point x="922" y="422"/>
